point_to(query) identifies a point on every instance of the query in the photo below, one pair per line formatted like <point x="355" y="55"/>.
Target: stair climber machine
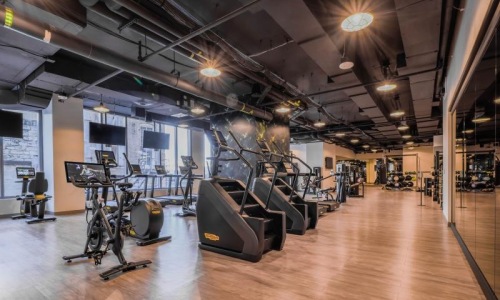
<point x="101" y="236"/>
<point x="146" y="215"/>
<point x="232" y="220"/>
<point x="328" y="205"/>
<point x="280" y="195"/>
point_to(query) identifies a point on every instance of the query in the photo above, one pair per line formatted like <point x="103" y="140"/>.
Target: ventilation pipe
<point x="84" y="48"/>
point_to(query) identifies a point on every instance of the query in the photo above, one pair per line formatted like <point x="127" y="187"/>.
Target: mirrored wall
<point x="477" y="172"/>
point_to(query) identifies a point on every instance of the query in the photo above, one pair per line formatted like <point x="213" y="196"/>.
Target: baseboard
<point x="481" y="279"/>
<point x="70" y="212"/>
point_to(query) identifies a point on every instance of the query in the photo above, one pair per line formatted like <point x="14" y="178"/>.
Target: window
<point x="20" y="153"/>
<point x="146" y="158"/>
<point x="183" y="144"/>
<point x="89" y="148"/>
<point x="168" y="155"/>
<point x="117" y="120"/>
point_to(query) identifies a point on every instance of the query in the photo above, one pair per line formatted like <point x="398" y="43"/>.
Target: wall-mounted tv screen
<point x="328" y="163"/>
<point x="11" y="124"/>
<point x="107" y="134"/>
<point x="155" y="140"/>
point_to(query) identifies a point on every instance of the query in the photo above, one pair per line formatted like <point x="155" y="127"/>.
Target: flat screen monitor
<point x="25" y="172"/>
<point x="107" y="134"/>
<point x="328" y="163"/>
<point x="136" y="169"/>
<point x="155" y="140"/>
<point x="160" y="170"/>
<point x="82" y="171"/>
<point x="11" y="124"/>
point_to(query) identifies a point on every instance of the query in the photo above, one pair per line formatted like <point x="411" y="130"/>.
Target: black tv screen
<point x="11" y="124"/>
<point x="328" y="163"/>
<point x="155" y="140"/>
<point x="107" y="134"/>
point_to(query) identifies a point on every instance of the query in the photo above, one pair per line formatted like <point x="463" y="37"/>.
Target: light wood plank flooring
<point x="382" y="246"/>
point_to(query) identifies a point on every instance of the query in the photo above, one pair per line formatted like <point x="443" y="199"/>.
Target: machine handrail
<point x="292" y="157"/>
<point x="249" y="178"/>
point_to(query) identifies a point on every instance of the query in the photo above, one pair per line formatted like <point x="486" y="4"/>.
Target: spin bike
<point x="99" y="231"/>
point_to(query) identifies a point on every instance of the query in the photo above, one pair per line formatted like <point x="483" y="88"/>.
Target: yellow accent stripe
<point x="9" y="17"/>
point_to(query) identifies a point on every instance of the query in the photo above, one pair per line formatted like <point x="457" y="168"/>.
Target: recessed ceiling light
<point x="345" y="63"/>
<point x="210" y="72"/>
<point x="197" y="110"/>
<point x="283" y="109"/>
<point x="468" y="131"/>
<point x="386" y="87"/>
<point x="374" y="150"/>
<point x="183" y="125"/>
<point x="340" y="134"/>
<point x="406" y="136"/>
<point x="355" y="141"/>
<point x="366" y="146"/>
<point x="481" y="120"/>
<point x="398" y="113"/>
<point x="410" y="143"/>
<point x="319" y="123"/>
<point x="496" y="101"/>
<point x="357" y="22"/>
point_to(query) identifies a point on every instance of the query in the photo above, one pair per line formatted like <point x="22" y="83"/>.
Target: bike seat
<point x="126" y="185"/>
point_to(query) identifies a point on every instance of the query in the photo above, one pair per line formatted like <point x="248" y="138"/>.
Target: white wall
<point x="63" y="141"/>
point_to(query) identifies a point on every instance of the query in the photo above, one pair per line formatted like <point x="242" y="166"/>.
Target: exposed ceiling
<point x="271" y="52"/>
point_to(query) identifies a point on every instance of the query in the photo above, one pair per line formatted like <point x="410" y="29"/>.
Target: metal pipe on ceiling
<point x="43" y="32"/>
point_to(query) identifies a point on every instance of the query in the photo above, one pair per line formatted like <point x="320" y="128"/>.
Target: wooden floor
<point x="382" y="246"/>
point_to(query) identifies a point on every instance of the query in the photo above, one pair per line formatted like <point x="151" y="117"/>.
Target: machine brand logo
<point x="212" y="237"/>
<point x="156" y="211"/>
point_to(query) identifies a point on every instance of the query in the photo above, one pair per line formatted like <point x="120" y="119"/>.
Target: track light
<point x="357" y="22"/>
<point x="386" y="87"/>
<point x="319" y="123"/>
<point x="101" y="108"/>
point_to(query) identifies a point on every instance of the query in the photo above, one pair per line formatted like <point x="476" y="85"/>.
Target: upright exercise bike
<point x="99" y="231"/>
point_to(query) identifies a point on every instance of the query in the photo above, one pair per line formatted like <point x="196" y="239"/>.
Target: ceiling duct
<point x="29" y="99"/>
<point x="84" y="48"/>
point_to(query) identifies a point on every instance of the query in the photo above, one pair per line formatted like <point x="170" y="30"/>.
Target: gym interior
<point x="284" y="149"/>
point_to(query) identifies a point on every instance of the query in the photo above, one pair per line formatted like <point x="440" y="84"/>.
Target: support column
<point x="63" y="141"/>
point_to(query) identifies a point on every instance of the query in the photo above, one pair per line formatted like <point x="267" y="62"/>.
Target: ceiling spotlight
<point x="410" y="143"/>
<point x="355" y="141"/>
<point x="460" y="140"/>
<point x="468" y="131"/>
<point x="386" y="87"/>
<point x="183" y="125"/>
<point x="406" y="136"/>
<point x="197" y="110"/>
<point x="403" y="126"/>
<point x="366" y="146"/>
<point x="319" y="123"/>
<point x="357" y="22"/>
<point x="374" y="150"/>
<point x="397" y="114"/>
<point x="345" y="63"/>
<point x="496" y="101"/>
<point x="481" y="120"/>
<point x="101" y="108"/>
<point x="210" y="70"/>
<point x="283" y="109"/>
<point x="340" y="134"/>
<point x="411" y="148"/>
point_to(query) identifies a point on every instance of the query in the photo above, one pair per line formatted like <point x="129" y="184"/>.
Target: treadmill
<point x="168" y="199"/>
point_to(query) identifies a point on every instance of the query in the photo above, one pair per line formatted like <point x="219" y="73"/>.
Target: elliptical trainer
<point x="187" y="171"/>
<point x="146" y="216"/>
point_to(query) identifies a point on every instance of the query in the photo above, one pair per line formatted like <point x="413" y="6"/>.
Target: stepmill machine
<point x="278" y="195"/>
<point x="232" y="220"/>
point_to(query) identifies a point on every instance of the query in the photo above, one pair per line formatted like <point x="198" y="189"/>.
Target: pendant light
<point x="357" y="22"/>
<point x="319" y="123"/>
<point x="345" y="62"/>
<point x="101" y="107"/>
